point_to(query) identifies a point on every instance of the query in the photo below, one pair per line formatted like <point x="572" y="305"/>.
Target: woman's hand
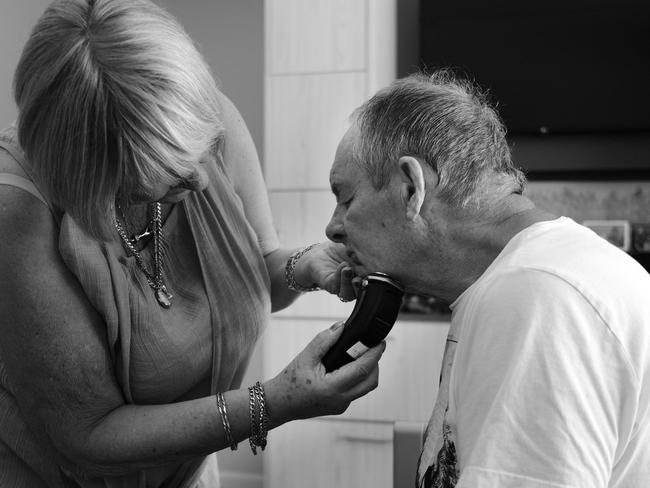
<point x="304" y="390"/>
<point x="326" y="265"/>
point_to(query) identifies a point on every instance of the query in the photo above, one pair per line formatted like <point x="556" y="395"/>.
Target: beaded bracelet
<point x="290" y="269"/>
<point x="221" y="405"/>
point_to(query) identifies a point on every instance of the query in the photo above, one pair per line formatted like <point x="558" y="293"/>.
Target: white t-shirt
<point x="549" y="383"/>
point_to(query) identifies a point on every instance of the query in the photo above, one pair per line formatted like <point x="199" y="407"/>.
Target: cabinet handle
<point x="361" y="438"/>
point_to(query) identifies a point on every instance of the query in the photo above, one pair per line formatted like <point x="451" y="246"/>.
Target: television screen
<point x="552" y="67"/>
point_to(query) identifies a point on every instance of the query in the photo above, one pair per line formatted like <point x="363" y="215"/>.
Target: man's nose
<point x="334" y="230"/>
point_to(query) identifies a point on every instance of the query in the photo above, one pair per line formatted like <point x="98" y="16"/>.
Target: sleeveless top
<point x="215" y="269"/>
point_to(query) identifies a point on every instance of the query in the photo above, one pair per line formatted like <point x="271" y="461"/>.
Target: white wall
<point x="16" y="21"/>
<point x="230" y="34"/>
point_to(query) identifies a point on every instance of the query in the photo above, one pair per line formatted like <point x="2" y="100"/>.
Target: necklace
<point x="154" y="278"/>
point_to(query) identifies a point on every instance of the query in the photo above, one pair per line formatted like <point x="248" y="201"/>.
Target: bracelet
<point x="290" y="269"/>
<point x="221" y="405"/>
<point x="263" y="416"/>
<point x="258" y="417"/>
<point x="252" y="411"/>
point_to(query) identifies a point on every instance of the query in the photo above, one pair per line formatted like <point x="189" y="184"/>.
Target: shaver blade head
<point x="379" y="276"/>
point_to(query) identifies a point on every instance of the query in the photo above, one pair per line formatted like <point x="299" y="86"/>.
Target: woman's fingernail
<point x="336" y="325"/>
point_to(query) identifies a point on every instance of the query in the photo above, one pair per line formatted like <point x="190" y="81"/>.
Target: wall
<point x="230" y="34"/>
<point x="16" y="22"/>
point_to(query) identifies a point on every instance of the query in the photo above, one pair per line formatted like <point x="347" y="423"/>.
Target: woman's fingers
<point x="323" y="342"/>
<point x="361" y="375"/>
<point x="347" y="291"/>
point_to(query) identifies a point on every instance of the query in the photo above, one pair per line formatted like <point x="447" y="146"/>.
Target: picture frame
<point x="617" y="232"/>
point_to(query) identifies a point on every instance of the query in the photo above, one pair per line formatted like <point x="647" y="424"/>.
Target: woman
<point x="139" y="264"/>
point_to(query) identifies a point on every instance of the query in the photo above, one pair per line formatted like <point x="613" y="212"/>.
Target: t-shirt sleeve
<point x="538" y="387"/>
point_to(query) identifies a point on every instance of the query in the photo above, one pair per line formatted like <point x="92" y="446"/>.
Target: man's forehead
<point x="343" y="167"/>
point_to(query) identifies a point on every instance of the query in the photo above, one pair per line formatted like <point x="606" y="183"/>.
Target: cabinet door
<point x="330" y="453"/>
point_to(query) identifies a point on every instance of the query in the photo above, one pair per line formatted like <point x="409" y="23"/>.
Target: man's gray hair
<point x="448" y="123"/>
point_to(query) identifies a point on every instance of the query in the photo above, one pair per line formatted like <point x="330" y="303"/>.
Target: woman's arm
<point x="243" y="166"/>
<point x="324" y="266"/>
<point x="57" y="361"/>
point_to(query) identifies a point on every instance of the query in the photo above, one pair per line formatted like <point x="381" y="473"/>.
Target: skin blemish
<point x="308" y="382"/>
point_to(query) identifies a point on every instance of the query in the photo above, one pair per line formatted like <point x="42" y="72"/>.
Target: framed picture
<point x="618" y="232"/>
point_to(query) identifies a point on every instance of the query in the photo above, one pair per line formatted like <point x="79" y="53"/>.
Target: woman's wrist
<point x="277" y="413"/>
<point x="297" y="272"/>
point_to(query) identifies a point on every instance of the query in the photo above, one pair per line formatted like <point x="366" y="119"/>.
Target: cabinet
<point x="328" y="453"/>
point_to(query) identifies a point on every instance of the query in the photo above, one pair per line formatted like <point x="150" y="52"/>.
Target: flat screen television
<point x="564" y="70"/>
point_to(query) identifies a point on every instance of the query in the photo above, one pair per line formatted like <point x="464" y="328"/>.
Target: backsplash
<point x="593" y="200"/>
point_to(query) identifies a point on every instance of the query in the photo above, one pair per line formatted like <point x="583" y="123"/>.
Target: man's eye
<point x="347" y="203"/>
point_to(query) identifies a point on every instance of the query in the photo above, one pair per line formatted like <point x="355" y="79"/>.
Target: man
<point x="546" y="376"/>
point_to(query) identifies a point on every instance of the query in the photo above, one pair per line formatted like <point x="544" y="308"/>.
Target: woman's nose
<point x="334" y="230"/>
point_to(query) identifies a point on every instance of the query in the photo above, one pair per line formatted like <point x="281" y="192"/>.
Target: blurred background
<point x="571" y="81"/>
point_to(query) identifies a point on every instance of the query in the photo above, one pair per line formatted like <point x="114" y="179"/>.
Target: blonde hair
<point x="113" y="97"/>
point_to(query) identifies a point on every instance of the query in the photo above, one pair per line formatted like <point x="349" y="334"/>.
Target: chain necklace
<point x="154" y="278"/>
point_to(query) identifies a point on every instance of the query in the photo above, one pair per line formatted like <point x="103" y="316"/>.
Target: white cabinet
<point x="330" y="453"/>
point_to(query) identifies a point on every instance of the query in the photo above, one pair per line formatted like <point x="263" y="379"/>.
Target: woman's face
<point x="173" y="194"/>
<point x="164" y="193"/>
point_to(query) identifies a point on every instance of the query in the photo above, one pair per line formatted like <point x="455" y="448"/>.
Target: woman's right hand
<point x="304" y="390"/>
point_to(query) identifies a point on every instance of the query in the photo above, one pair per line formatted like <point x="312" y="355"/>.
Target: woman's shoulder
<point x="22" y="206"/>
<point x="21" y="211"/>
<point x="17" y="185"/>
<point x="9" y="150"/>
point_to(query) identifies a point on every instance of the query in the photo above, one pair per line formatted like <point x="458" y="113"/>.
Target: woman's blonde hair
<point x="113" y="98"/>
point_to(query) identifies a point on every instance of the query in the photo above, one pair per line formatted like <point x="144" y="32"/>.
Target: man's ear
<point x="412" y="184"/>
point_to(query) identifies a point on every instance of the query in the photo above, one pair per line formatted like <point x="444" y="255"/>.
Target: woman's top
<point x="214" y="266"/>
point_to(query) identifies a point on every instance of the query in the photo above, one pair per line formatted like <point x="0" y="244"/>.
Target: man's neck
<point x="470" y="245"/>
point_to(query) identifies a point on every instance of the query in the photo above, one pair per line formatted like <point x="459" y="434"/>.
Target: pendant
<point x="164" y="297"/>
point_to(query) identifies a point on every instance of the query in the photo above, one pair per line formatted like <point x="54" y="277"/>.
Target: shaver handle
<point x="369" y="323"/>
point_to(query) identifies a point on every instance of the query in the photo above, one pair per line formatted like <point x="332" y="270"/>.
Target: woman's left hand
<point x="326" y="265"/>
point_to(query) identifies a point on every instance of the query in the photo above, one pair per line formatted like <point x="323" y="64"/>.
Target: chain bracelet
<point x="290" y="269"/>
<point x="262" y="414"/>
<point x="253" y="439"/>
